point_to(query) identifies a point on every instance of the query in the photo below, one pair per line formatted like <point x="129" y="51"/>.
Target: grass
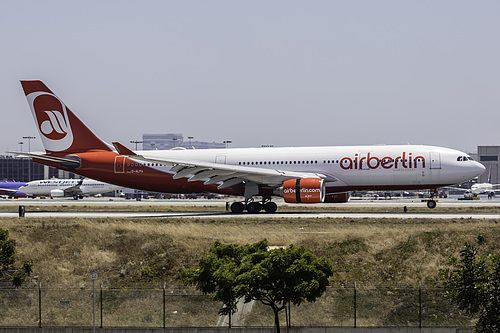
<point x="149" y="253"/>
<point x="146" y="253"/>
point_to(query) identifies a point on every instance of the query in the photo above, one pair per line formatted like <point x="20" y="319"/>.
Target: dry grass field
<point x="146" y="253"/>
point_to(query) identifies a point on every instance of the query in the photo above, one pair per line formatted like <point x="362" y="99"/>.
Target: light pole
<point x="190" y="138"/>
<point x="29" y="151"/>
<point x="227" y="142"/>
<point x="21" y="146"/>
<point x="174" y="139"/>
<point x="29" y="142"/>
<point x="136" y="142"/>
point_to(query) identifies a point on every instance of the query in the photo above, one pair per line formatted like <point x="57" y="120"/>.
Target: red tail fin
<point x="59" y="128"/>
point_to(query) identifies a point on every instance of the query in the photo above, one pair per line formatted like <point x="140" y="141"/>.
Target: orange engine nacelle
<point x="337" y="197"/>
<point x="304" y="190"/>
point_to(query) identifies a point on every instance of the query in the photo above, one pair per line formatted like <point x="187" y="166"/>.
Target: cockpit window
<point x="464" y="158"/>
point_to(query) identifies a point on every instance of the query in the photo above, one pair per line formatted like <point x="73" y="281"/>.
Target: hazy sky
<point x="288" y="73"/>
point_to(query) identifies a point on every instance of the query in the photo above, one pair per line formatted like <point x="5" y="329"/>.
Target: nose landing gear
<point x="431" y="203"/>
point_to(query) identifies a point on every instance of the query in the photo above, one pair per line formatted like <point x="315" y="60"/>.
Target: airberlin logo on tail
<point x="51" y="116"/>
<point x="368" y="161"/>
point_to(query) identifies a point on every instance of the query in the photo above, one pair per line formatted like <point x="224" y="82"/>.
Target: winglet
<point x="122" y="150"/>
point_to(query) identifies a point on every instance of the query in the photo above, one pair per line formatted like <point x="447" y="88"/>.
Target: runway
<point x="410" y="204"/>
<point x="249" y="216"/>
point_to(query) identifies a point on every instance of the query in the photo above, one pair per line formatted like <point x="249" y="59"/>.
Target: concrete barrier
<point x="237" y="330"/>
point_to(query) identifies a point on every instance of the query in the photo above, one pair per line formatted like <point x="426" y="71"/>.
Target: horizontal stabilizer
<point x="71" y="162"/>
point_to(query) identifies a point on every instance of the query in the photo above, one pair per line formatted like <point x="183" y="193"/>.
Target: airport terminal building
<point x="176" y="140"/>
<point x="22" y="169"/>
<point x="489" y="157"/>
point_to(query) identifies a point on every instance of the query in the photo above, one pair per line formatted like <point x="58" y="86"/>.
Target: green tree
<point x="473" y="283"/>
<point x="8" y="260"/>
<point x="273" y="277"/>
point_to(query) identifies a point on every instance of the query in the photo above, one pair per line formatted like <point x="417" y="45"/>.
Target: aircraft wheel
<point x="270" y="207"/>
<point x="254" y="207"/>
<point x="431" y="204"/>
<point x="237" y="207"/>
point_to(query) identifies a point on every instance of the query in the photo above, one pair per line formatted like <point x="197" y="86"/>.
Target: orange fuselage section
<point x="110" y="167"/>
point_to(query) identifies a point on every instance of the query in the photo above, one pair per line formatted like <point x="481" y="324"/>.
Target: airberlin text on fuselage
<point x="302" y="190"/>
<point x="405" y="161"/>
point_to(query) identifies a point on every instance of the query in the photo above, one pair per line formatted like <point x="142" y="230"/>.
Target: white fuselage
<point x="51" y="186"/>
<point x="346" y="167"/>
<point x="482" y="188"/>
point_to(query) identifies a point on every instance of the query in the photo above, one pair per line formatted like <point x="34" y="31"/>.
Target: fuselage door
<point x="220" y="159"/>
<point x="119" y="164"/>
<point x="435" y="158"/>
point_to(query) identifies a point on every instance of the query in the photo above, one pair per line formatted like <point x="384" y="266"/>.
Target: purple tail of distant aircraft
<point x="10" y="189"/>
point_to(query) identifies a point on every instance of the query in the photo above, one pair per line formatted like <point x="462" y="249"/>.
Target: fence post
<point x="355" y="305"/>
<point x="101" y="305"/>
<point x="164" y="309"/>
<point x="419" y="305"/>
<point x="40" y="305"/>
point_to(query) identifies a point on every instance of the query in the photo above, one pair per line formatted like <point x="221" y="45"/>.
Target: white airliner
<point x="76" y="188"/>
<point x="485" y="188"/>
<point x="298" y="174"/>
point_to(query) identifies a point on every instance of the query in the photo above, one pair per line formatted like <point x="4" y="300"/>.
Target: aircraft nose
<point x="479" y="168"/>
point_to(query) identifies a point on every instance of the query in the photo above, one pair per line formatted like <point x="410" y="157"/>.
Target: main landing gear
<point x="254" y="207"/>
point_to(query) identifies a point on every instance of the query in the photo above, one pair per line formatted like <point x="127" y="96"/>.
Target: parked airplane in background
<point x="76" y="188"/>
<point x="11" y="189"/>
<point x="298" y="174"/>
<point x="479" y="188"/>
<point x="485" y="188"/>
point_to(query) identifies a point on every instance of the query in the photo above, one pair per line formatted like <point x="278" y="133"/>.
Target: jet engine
<point x="56" y="193"/>
<point x="304" y="190"/>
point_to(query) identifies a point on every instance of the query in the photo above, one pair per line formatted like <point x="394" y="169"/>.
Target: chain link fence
<point x="345" y="306"/>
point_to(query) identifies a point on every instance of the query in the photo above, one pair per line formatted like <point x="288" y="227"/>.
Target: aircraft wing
<point x="454" y="188"/>
<point x="227" y="175"/>
<point x="74" y="190"/>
